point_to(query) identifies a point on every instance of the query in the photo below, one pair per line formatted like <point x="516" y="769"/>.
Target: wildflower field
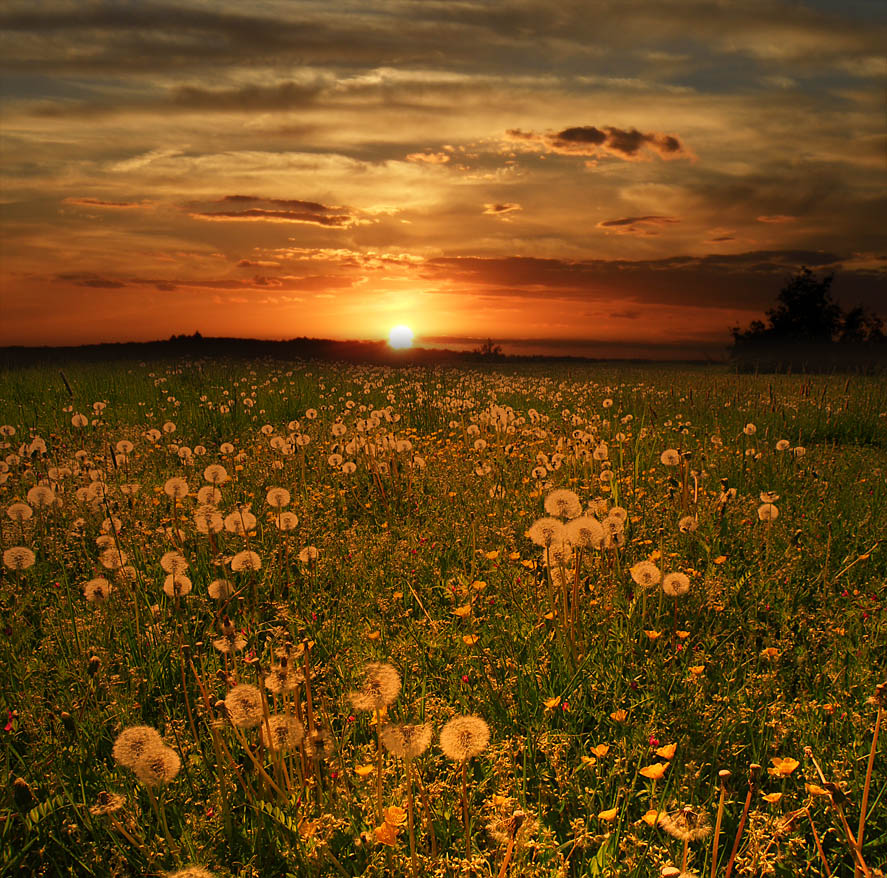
<point x="300" y="619"/>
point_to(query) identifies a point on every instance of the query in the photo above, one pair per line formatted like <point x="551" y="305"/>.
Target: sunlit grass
<point x="173" y="533"/>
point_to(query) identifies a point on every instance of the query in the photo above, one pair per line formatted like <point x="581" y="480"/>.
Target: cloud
<point x="114" y="205"/>
<point x="776" y="218"/>
<point x="740" y="281"/>
<point x="589" y="140"/>
<point x="429" y="158"/>
<point x="88" y="279"/>
<point x="633" y="225"/>
<point x="501" y="209"/>
<point x="253" y="208"/>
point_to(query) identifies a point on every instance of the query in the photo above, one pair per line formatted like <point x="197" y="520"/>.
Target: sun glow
<point x="400" y="337"/>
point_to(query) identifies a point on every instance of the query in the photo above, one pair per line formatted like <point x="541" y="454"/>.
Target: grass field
<point x="296" y="576"/>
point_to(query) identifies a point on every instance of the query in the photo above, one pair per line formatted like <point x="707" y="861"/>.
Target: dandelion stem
<point x="465" y="818"/>
<point x="752" y="782"/>
<point x="863" y="805"/>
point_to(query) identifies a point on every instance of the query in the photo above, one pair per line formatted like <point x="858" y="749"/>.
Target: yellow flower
<point x="491" y="556"/>
<point x="653" y="635"/>
<point x="771" y="798"/>
<point x="783" y="767"/>
<point x="551" y="703"/>
<point x="514" y="556"/>
<point x="364" y="770"/>
<point x="609" y="815"/>
<point x="668" y="751"/>
<point x="651" y="818"/>
<point x="720" y="559"/>
<point x="696" y="670"/>
<point x="771" y="652"/>
<point x="655" y="771"/>
<point x="397" y="595"/>
<point x="463" y="611"/>
<point x="395" y="816"/>
<point x="601" y="750"/>
<point x="478" y="585"/>
<point x="588" y="760"/>
<point x="470" y="639"/>
<point x="387" y="834"/>
<point x="682" y="635"/>
<point x="374" y="635"/>
<point x="619" y="716"/>
<point x="815" y="790"/>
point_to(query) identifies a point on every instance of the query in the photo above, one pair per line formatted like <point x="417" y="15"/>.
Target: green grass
<point x="785" y="625"/>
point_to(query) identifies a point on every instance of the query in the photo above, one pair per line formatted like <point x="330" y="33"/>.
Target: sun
<point x="400" y="337"/>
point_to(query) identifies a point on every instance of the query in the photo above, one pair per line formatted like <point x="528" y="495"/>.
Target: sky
<point x="605" y="178"/>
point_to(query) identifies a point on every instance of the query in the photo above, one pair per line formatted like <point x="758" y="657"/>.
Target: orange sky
<point x="569" y="176"/>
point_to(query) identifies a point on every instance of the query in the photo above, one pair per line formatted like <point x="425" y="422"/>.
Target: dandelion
<point x="208" y="519"/>
<point x="585" y="532"/>
<point x="670" y="457"/>
<point x="246" y="560"/>
<point x="133" y="742"/>
<point x="240" y="522"/>
<point x="209" y="495"/>
<point x="283" y="678"/>
<point x="287" y="521"/>
<point x="646" y="574"/>
<point x="18" y="558"/>
<point x="380" y="688"/>
<point x="97" y="590"/>
<point x="220" y="589"/>
<point x="688" y="524"/>
<point x="79" y="420"/>
<point x="40" y="496"/>
<point x="107" y="803"/>
<point x="19" y="512"/>
<point x="768" y="512"/>
<point x="676" y="584"/>
<point x="231" y="640"/>
<point x="462" y="738"/>
<point x="769" y="496"/>
<point x="176" y="487"/>
<point x="244" y="706"/>
<point x="308" y="554"/>
<point x="176" y="585"/>
<point x="546" y="531"/>
<point x="174" y="562"/>
<point x="157" y="766"/>
<point x="407" y="741"/>
<point x="686" y="825"/>
<point x="783" y="445"/>
<point x="282" y="733"/>
<point x="277" y="498"/>
<point x="749" y="429"/>
<point x="799" y="451"/>
<point x="563" y="503"/>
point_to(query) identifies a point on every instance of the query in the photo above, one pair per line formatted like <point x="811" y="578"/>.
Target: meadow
<point x="305" y="619"/>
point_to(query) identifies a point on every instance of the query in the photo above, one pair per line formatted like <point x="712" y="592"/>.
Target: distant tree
<point x="488" y="350"/>
<point x="805" y="310"/>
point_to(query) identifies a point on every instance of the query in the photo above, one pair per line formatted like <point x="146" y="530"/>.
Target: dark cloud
<point x="88" y="279"/>
<point x="637" y="225"/>
<point x="743" y="281"/>
<point x="280" y="97"/>
<point x="278" y="210"/>
<point x="501" y="209"/>
<point x="589" y="140"/>
<point x="97" y="202"/>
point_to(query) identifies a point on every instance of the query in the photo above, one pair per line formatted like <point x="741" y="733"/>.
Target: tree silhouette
<point x="806" y="312"/>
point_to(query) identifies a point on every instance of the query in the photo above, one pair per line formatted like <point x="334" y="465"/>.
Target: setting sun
<point x="400" y="337"/>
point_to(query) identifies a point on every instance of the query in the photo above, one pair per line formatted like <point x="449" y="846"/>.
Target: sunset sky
<point x="593" y="177"/>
